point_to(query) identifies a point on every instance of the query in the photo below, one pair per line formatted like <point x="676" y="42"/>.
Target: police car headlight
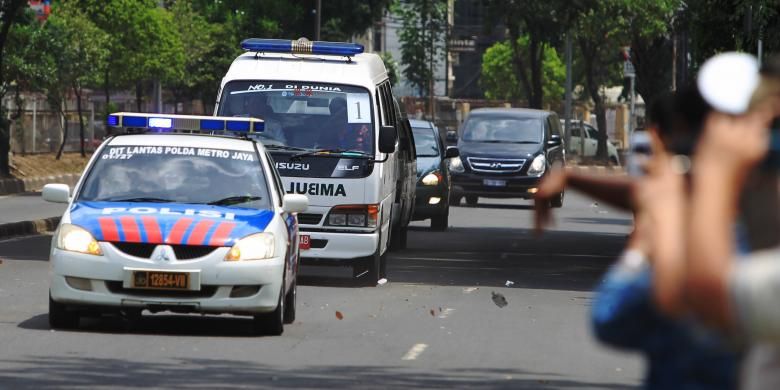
<point x="432" y="179"/>
<point x="254" y="247"/>
<point x="74" y="238"/>
<point x="538" y="165"/>
<point x="456" y="165"/>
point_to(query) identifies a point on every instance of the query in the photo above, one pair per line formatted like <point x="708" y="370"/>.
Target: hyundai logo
<point x="495" y="165"/>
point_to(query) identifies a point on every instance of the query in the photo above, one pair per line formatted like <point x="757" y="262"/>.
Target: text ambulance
<point x="335" y="131"/>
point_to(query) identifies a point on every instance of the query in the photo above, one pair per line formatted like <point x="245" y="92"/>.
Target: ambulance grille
<point x="183" y="252"/>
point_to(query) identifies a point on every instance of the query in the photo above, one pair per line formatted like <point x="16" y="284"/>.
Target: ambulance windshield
<point x="304" y="116"/>
<point x="177" y="174"/>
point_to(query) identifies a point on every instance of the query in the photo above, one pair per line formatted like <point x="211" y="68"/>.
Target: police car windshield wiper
<point x="332" y="152"/>
<point x="232" y="200"/>
<point x="141" y="199"/>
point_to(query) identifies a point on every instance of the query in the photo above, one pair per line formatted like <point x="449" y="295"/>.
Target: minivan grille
<point x="495" y="165"/>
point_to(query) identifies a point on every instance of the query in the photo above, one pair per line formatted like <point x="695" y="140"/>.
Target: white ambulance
<point x="337" y="135"/>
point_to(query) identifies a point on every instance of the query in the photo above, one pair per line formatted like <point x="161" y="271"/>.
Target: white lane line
<point x="415" y="351"/>
<point x="446" y="313"/>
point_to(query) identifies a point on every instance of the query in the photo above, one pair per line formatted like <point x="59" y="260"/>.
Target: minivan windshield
<point x="489" y="128"/>
<point x="177" y="174"/>
<point x="304" y="116"/>
<point x="425" y="142"/>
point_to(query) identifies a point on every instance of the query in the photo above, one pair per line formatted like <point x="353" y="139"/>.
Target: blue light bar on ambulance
<point x="187" y="123"/>
<point x="302" y="46"/>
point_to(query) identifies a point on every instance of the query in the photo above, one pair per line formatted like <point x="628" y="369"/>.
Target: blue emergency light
<point x="164" y="123"/>
<point x="302" y="46"/>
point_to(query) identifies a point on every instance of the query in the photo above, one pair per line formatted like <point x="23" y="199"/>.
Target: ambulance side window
<point x="387" y="109"/>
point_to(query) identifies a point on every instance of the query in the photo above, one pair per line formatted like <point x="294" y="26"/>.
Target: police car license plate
<point x="305" y="242"/>
<point x="161" y="280"/>
<point x="494" y="183"/>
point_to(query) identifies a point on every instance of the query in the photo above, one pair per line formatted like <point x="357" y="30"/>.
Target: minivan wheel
<point x="441" y="222"/>
<point x="454" y="200"/>
<point x="472" y="200"/>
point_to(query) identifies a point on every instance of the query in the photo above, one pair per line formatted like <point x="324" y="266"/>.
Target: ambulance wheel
<point x="60" y="317"/>
<point x="289" y="304"/>
<point x="271" y="324"/>
<point x="369" y="270"/>
<point x="398" y="238"/>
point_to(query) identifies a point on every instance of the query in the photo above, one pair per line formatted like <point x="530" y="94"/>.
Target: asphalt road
<point x="433" y="325"/>
<point x="27" y="207"/>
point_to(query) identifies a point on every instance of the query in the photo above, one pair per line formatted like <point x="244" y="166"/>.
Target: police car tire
<point x="271" y="324"/>
<point x="60" y="317"/>
<point x="289" y="304"/>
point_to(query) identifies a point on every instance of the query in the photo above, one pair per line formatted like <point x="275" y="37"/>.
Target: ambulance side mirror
<point x="56" y="193"/>
<point x="295" y="203"/>
<point x="387" y="138"/>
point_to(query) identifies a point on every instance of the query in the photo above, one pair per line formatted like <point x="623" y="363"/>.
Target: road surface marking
<point x="415" y="351"/>
<point x="446" y="313"/>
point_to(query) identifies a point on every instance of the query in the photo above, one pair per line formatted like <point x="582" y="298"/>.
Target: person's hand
<point x="735" y="143"/>
<point x="550" y="187"/>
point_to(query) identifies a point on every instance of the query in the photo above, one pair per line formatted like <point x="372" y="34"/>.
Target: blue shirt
<point x="679" y="355"/>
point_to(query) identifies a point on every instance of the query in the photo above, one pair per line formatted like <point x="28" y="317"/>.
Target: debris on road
<point x="381" y="282"/>
<point x="499" y="299"/>
<point x="509" y="283"/>
<point x="470" y="289"/>
<point x="339" y="315"/>
<point x="433" y="313"/>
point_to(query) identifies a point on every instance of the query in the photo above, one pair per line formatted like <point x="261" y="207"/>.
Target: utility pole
<point x="431" y="82"/>
<point x="317" y="20"/>
<point x="567" y="107"/>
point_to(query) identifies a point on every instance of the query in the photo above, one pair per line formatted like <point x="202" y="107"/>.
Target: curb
<point x="16" y="186"/>
<point x="28" y="227"/>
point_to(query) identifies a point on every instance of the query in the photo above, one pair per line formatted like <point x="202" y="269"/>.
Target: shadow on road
<point x="79" y="372"/>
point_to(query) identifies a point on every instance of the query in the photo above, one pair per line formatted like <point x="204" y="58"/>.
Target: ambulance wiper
<point x="331" y="152"/>
<point x="141" y="199"/>
<point x="285" y="147"/>
<point x="231" y="200"/>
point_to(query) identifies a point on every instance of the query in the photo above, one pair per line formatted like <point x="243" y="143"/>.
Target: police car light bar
<point x="188" y="123"/>
<point x="302" y="46"/>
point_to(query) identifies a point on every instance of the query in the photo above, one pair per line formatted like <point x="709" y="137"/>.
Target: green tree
<point x="650" y="34"/>
<point x="499" y="80"/>
<point x="423" y="28"/>
<point x="392" y="67"/>
<point x="11" y="11"/>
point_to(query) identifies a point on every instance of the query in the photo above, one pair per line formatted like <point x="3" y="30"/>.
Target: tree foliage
<point x="499" y="81"/>
<point x="423" y="28"/>
<point x="391" y="66"/>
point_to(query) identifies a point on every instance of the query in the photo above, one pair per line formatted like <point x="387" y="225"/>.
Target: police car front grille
<point x="183" y="252"/>
<point x="309" y="219"/>
<point x="496" y="165"/>
<point x="206" y="291"/>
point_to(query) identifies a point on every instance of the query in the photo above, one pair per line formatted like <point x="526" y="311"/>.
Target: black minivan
<point x="505" y="152"/>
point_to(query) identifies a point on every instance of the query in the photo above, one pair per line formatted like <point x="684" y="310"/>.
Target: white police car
<point x="166" y="221"/>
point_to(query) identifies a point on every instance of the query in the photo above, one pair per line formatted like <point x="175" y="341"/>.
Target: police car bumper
<point x="339" y="246"/>
<point x="214" y="285"/>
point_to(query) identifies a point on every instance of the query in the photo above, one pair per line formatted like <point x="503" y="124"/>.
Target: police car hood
<point x="168" y="223"/>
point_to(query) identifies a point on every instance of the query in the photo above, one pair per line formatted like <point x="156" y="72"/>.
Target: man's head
<point x="338" y="106"/>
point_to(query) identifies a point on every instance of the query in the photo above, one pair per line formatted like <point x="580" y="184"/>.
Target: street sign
<point x="628" y="69"/>
<point x="462" y="45"/>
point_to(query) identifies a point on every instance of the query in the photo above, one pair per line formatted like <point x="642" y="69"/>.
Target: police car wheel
<point x="289" y="304"/>
<point x="271" y="324"/>
<point x="60" y="317"/>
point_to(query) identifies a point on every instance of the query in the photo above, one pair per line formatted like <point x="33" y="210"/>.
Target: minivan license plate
<point x="494" y="183"/>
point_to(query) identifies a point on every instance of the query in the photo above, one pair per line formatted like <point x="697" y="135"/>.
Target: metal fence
<point x="42" y="131"/>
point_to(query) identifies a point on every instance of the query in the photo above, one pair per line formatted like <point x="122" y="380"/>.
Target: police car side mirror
<point x="295" y="203"/>
<point x="56" y="193"/>
<point x="387" y="138"/>
<point x="451" y="152"/>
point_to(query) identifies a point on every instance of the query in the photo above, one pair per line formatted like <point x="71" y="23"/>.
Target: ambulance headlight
<point x="253" y="247"/>
<point x="356" y="215"/>
<point x="538" y="165"/>
<point x="432" y="179"/>
<point x="74" y="238"/>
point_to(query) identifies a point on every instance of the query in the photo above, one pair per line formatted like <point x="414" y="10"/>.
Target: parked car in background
<point x="505" y="152"/>
<point x="583" y="132"/>
<point x="433" y="174"/>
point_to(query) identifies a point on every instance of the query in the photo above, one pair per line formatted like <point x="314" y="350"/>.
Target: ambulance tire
<point x="60" y="317"/>
<point x="272" y="323"/>
<point x="370" y="269"/>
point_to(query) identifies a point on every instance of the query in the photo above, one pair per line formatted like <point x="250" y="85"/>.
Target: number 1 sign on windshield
<point x="358" y="108"/>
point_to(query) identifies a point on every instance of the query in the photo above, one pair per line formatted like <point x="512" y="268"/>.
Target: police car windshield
<point x="489" y="128"/>
<point x="425" y="142"/>
<point x="304" y="116"/>
<point x="177" y="174"/>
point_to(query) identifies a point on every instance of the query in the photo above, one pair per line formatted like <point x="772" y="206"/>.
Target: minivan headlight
<point x="74" y="238"/>
<point x="538" y="165"/>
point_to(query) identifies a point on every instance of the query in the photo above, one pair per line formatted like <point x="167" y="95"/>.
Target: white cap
<point x="727" y="81"/>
